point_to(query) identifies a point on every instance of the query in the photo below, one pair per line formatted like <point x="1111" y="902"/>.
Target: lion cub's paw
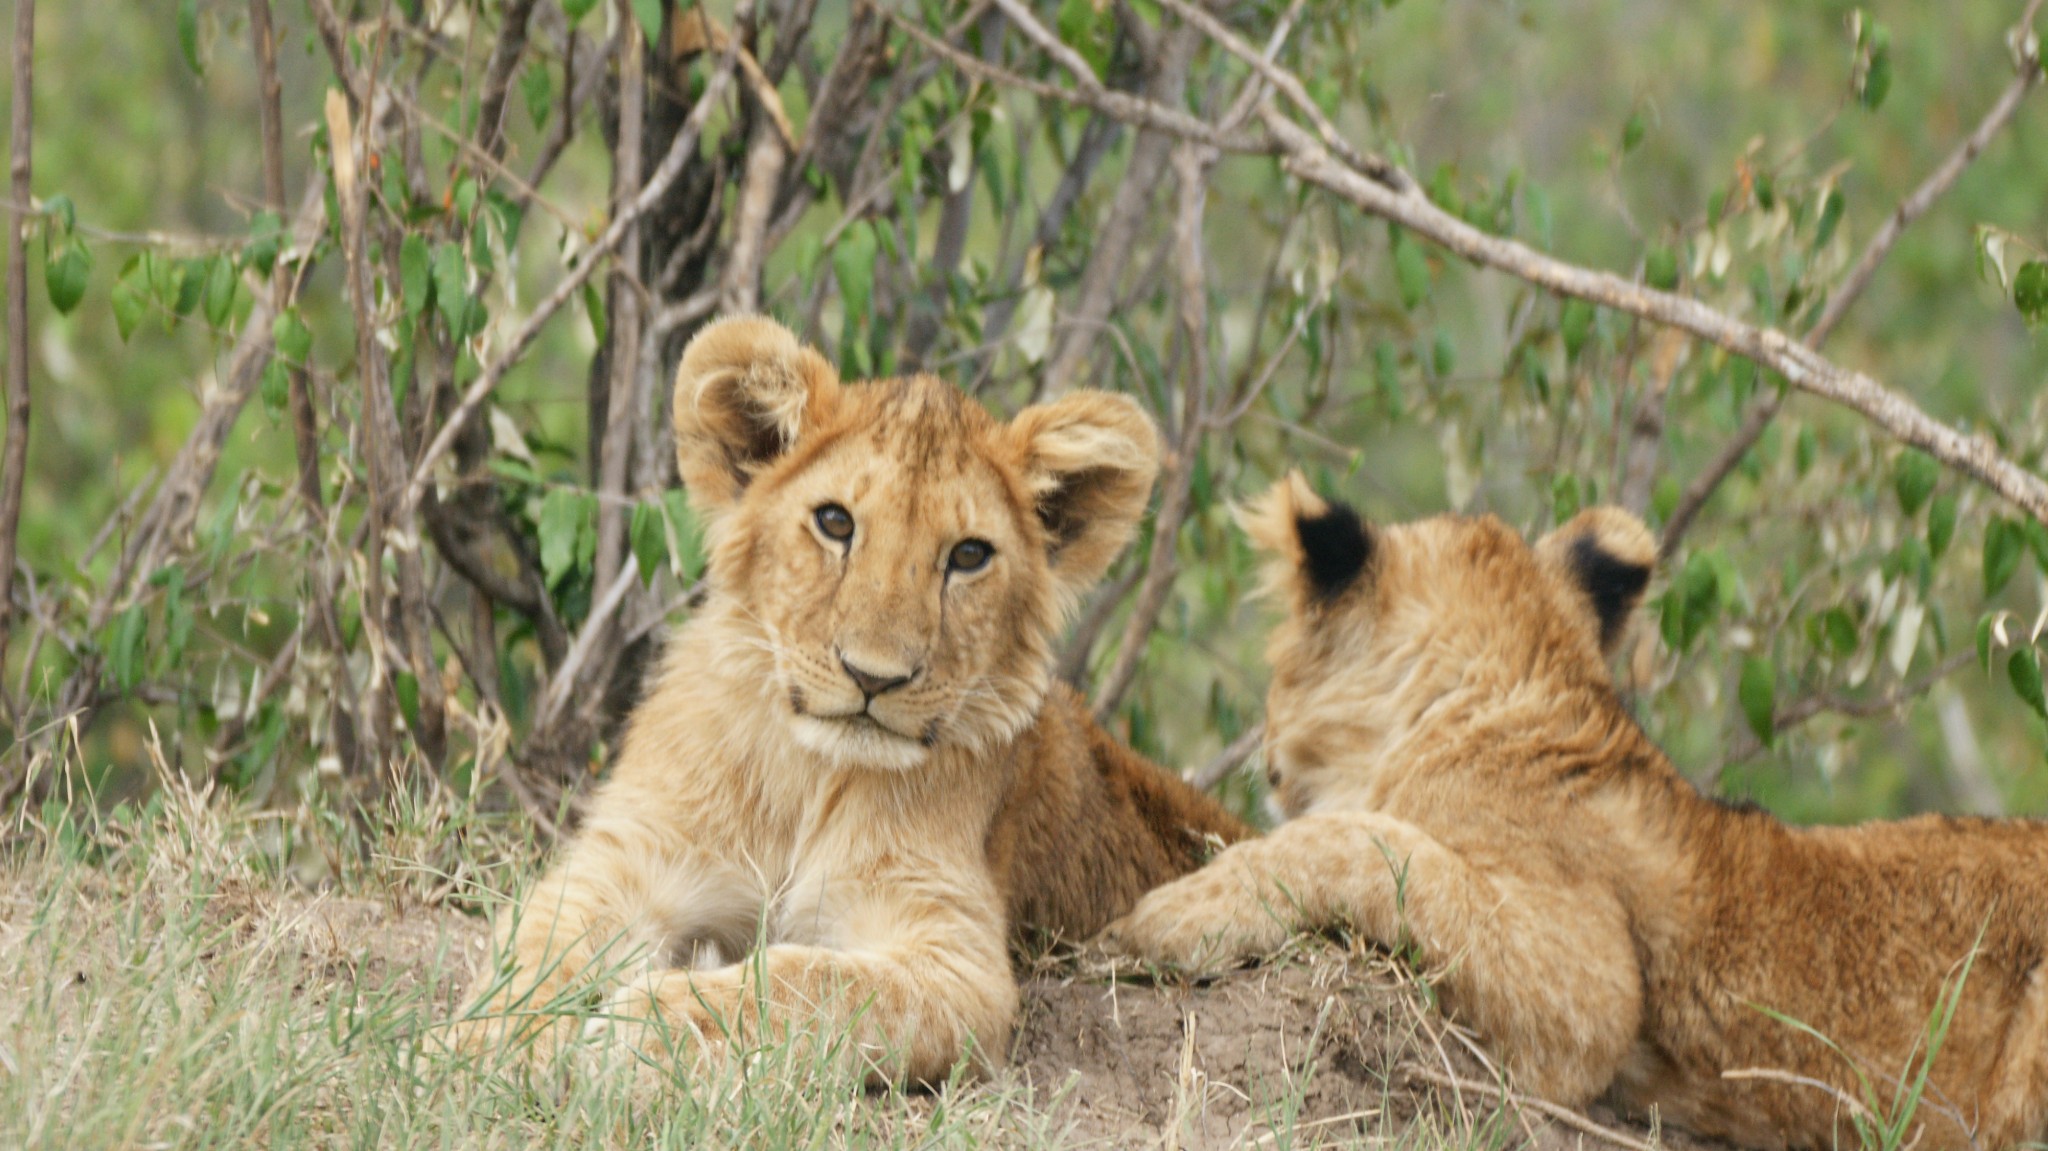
<point x="1197" y="924"/>
<point x="660" y="1023"/>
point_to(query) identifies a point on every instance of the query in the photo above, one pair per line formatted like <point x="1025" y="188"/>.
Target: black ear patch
<point x="1613" y="585"/>
<point x="1335" y="548"/>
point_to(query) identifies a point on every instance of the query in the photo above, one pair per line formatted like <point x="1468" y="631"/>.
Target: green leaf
<point x="1084" y="25"/>
<point x="1830" y="217"/>
<point x="1575" y="324"/>
<point x="66" y="275"/>
<point x="293" y="338"/>
<point x="266" y="240"/>
<point x="220" y="290"/>
<point x="2003" y="547"/>
<point x="1411" y="270"/>
<point x="2030" y="291"/>
<point x="415" y="274"/>
<point x="561" y="521"/>
<point x="60" y="208"/>
<point x="276" y="388"/>
<point x="1758" y="691"/>
<point x="1841" y="630"/>
<point x="1632" y="132"/>
<point x="648" y="13"/>
<point x="853" y="264"/>
<point x="1877" y="77"/>
<point x="1984" y="643"/>
<point x="686" y="539"/>
<point x="650" y="539"/>
<point x="188" y="34"/>
<point x="577" y="9"/>
<point x="593" y="306"/>
<point x="1691" y="602"/>
<point x="406" y="686"/>
<point x="1660" y="269"/>
<point x="2024" y="669"/>
<point x="451" y="288"/>
<point x="1941" y="524"/>
<point x="177" y="620"/>
<point x="1913" y="478"/>
<point x="131" y="296"/>
<point x="1386" y="374"/>
<point x="537" y="84"/>
<point x="191" y="284"/>
<point x="124" y="651"/>
<point x="1805" y="449"/>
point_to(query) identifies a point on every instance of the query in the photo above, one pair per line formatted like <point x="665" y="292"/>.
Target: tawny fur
<point x="878" y="848"/>
<point x="1464" y="780"/>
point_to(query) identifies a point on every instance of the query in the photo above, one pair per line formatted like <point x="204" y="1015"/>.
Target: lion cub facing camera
<point x="1462" y="778"/>
<point x="854" y="752"/>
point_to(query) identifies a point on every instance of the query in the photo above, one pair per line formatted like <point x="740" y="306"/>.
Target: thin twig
<point x="1564" y="1115"/>
<point x="380" y="449"/>
<point x="1290" y="86"/>
<point x="1230" y="758"/>
<point x="1123" y="106"/>
<point x="14" y="456"/>
<point x="1192" y="163"/>
<point x="614" y="438"/>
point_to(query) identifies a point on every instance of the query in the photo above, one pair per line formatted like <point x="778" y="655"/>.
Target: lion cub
<point x="1463" y="779"/>
<point x="855" y="754"/>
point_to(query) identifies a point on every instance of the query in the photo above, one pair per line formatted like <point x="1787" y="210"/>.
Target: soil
<point x="1317" y="1048"/>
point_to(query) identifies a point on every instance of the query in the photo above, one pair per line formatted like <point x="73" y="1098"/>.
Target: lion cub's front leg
<point x="607" y="909"/>
<point x="1545" y="971"/>
<point x="908" y="1004"/>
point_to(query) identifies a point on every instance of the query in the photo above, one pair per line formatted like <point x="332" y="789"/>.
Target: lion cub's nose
<point x="872" y="685"/>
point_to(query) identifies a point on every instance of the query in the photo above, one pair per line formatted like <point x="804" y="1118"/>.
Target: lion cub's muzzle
<point x="868" y="706"/>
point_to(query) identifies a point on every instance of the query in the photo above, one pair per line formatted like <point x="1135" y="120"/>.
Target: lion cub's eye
<point x="969" y="556"/>
<point x="836" y="522"/>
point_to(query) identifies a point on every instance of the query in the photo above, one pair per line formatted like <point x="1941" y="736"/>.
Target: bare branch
<point x="1290" y="86"/>
<point x="14" y="456"/>
<point x="614" y="440"/>
<point x="380" y="445"/>
<point x="1914" y="206"/>
<point x="1109" y="256"/>
<point x="1975" y="456"/>
<point x="505" y="54"/>
<point x="1191" y="163"/>
<point x="1230" y="758"/>
<point x="740" y="288"/>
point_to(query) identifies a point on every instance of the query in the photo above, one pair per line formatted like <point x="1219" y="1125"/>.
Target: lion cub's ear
<point x="746" y="391"/>
<point x="1607" y="554"/>
<point x="1089" y="459"/>
<point x="1320" y="547"/>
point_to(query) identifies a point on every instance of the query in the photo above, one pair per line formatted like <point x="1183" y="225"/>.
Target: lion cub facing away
<point x="1463" y="779"/>
<point x="855" y="752"/>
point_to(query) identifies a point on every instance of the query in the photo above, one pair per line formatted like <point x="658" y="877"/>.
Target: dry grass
<point x="186" y="975"/>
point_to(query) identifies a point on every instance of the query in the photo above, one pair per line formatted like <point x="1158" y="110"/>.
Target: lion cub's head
<point x="1404" y="632"/>
<point x="900" y="558"/>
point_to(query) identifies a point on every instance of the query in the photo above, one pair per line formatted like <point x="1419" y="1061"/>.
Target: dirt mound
<point x="1322" y="1047"/>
